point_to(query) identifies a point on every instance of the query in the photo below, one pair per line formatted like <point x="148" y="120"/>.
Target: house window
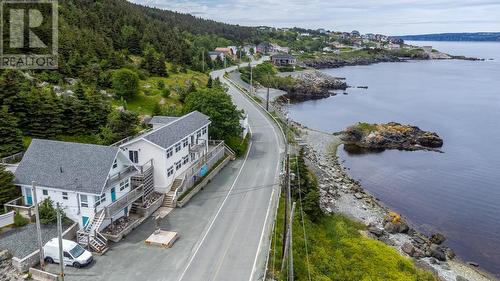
<point x="84" y="201"/>
<point x="185" y="159"/>
<point x="124" y="185"/>
<point x="133" y="155"/>
<point x="198" y="134"/>
<point x="178" y="147"/>
<point x="170" y="171"/>
<point x="204" y="130"/>
<point x="170" y="152"/>
<point x="178" y="165"/>
<point x="100" y="199"/>
<point x="45" y="192"/>
<point x="65" y="196"/>
<point x="185" y="142"/>
<point x="115" y="164"/>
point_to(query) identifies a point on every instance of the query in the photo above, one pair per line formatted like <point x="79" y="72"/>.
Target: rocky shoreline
<point x="341" y="194"/>
<point x="336" y="63"/>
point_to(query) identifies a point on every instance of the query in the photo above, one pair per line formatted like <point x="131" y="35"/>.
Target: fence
<point x="12" y="159"/>
<point x="7" y="219"/>
<point x="200" y="168"/>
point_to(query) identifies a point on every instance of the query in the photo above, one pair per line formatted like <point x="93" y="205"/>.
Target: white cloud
<point x="384" y="16"/>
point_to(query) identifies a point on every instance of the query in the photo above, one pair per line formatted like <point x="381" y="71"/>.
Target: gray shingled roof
<point x="174" y="132"/>
<point x="162" y="120"/>
<point x="65" y="165"/>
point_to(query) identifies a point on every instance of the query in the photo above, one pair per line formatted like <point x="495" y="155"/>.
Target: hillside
<point x="479" y="36"/>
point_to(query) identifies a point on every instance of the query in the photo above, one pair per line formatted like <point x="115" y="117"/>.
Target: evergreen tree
<point x="43" y="114"/>
<point x="11" y="83"/>
<point x="99" y="109"/>
<point x="209" y="83"/>
<point x="11" y="140"/>
<point x="123" y="123"/>
<point x="8" y="191"/>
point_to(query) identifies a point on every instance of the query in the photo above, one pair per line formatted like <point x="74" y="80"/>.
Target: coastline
<point x="339" y="193"/>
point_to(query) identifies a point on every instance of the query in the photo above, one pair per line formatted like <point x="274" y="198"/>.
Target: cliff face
<point x="391" y="136"/>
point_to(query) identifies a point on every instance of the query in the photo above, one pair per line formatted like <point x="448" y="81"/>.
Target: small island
<point x="391" y="136"/>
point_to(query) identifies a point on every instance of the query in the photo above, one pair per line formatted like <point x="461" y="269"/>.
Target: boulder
<point x="408" y="249"/>
<point x="376" y="231"/>
<point x="437" y="252"/>
<point x="475" y="264"/>
<point x="437" y="238"/>
<point x="461" y="278"/>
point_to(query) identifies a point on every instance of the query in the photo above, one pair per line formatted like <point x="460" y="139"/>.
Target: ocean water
<point x="456" y="193"/>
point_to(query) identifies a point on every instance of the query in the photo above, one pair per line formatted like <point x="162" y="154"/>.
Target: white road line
<point x="216" y="215"/>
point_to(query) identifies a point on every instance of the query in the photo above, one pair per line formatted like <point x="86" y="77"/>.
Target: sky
<point x="390" y="17"/>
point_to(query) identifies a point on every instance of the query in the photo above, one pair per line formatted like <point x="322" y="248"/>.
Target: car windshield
<point x="77" y="251"/>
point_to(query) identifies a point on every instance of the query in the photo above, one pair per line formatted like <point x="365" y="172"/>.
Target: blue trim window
<point x="178" y="147"/>
<point x="185" y="159"/>
<point x="84" y="201"/>
<point x="45" y="192"/>
<point x="178" y="165"/>
<point x="185" y="142"/>
<point x="170" y="171"/>
<point x="170" y="152"/>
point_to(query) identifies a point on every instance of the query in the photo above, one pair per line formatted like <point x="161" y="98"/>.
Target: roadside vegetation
<point x="266" y="75"/>
<point x="336" y="248"/>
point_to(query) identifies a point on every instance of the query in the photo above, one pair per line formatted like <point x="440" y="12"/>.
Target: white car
<point x="73" y="254"/>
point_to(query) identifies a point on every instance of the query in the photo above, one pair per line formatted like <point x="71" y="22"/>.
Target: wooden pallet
<point x="162" y="238"/>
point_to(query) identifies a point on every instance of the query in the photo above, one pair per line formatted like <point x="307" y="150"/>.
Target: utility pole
<point x="251" y="78"/>
<point x="59" y="236"/>
<point x="203" y="59"/>
<point x="267" y="99"/>
<point x="38" y="228"/>
<point x="290" y="256"/>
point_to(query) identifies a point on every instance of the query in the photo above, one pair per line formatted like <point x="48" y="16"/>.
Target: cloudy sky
<point x="392" y="17"/>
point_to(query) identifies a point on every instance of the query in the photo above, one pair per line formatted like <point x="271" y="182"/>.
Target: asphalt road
<point x="224" y="230"/>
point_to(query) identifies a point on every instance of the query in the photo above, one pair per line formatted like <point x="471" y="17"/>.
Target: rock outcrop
<point x="311" y="85"/>
<point x="391" y="136"/>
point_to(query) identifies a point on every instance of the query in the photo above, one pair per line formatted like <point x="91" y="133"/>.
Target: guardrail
<point x="12" y="159"/>
<point x="124" y="201"/>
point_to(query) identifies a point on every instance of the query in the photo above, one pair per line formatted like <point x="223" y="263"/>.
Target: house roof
<point x="282" y="56"/>
<point x="163" y="119"/>
<point x="215" y="53"/>
<point x="65" y="165"/>
<point x="175" y="131"/>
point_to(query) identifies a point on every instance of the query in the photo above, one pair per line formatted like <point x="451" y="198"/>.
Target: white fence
<point x="7" y="219"/>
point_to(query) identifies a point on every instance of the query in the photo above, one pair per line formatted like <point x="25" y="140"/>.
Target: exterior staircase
<point x="90" y="236"/>
<point x="169" y="199"/>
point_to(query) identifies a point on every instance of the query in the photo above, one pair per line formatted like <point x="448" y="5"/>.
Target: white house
<point x="214" y="54"/>
<point x="174" y="144"/>
<point x="92" y="183"/>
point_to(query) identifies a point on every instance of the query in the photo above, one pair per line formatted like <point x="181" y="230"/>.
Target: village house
<point x="93" y="184"/>
<point x="250" y="49"/>
<point x="216" y="54"/>
<point x="264" y="47"/>
<point x="228" y="52"/>
<point x="180" y="150"/>
<point x="283" y="60"/>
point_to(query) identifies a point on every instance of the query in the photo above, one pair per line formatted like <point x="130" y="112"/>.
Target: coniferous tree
<point x="8" y="191"/>
<point x="11" y="140"/>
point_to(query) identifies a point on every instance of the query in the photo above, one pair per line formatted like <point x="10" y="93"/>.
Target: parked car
<point x="73" y="254"/>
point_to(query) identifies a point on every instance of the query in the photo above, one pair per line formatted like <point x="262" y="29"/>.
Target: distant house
<point x="247" y="49"/>
<point x="283" y="60"/>
<point x="217" y="54"/>
<point x="234" y="49"/>
<point x="392" y="46"/>
<point x="264" y="47"/>
<point x="228" y="52"/>
<point x="275" y="48"/>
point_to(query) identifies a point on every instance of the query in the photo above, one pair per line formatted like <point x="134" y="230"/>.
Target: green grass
<point x="366" y="127"/>
<point x="149" y="95"/>
<point x="337" y="251"/>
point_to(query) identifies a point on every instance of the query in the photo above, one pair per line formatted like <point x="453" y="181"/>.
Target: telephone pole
<point x="59" y="236"/>
<point x="38" y="228"/>
<point x="251" y="77"/>
<point x="203" y="59"/>
<point x="290" y="255"/>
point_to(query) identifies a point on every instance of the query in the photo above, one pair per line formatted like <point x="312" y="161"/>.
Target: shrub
<point x="19" y="220"/>
<point x="47" y="212"/>
<point x="125" y="83"/>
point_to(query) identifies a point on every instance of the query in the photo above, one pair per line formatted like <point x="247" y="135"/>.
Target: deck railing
<point x="124" y="201"/>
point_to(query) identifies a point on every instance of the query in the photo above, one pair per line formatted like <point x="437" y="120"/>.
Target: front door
<point x="85" y="220"/>
<point x="29" y="198"/>
<point x="113" y="194"/>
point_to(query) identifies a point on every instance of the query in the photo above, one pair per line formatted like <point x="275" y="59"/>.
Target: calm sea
<point x="456" y="193"/>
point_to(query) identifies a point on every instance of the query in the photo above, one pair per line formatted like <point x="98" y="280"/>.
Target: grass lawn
<point x="337" y="251"/>
<point x="149" y="94"/>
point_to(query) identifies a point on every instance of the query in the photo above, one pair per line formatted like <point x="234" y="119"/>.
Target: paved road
<point x="223" y="231"/>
